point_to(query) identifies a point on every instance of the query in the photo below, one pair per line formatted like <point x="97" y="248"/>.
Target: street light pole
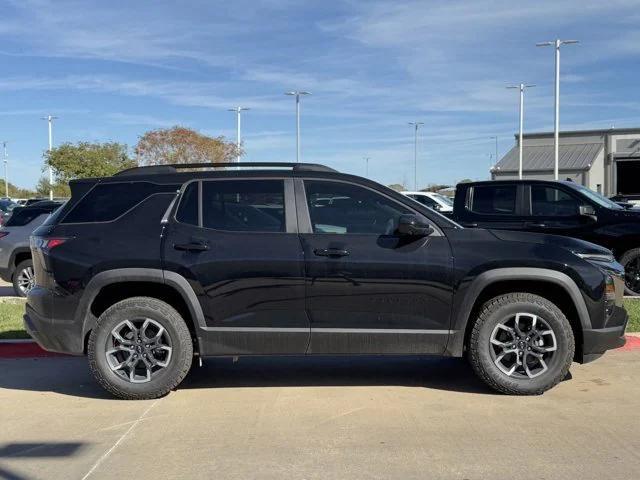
<point x="297" y="94"/>
<point x="6" y="180"/>
<point x="366" y="160"/>
<point x="50" y="119"/>
<point x="496" y="139"/>
<point x="238" y="134"/>
<point x="415" y="153"/>
<point x="521" y="87"/>
<point x="556" y="130"/>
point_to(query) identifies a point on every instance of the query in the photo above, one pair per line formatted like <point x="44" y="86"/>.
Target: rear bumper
<point x="54" y="335"/>
<point x="598" y="341"/>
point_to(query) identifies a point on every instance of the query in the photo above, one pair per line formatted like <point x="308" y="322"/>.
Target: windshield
<point x="598" y="198"/>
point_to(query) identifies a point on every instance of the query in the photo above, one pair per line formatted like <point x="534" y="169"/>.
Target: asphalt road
<point x="324" y="418"/>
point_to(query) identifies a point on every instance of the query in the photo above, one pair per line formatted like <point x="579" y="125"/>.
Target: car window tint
<point x="107" y="201"/>
<point x="344" y="208"/>
<point x="552" y="202"/>
<point x="244" y="205"/>
<point x="496" y="200"/>
<point x="23" y="216"/>
<point x="188" y="208"/>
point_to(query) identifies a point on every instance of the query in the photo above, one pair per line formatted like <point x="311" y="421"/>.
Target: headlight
<point x="596" y="257"/>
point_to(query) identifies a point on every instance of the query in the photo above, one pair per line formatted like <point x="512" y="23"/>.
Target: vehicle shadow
<point x="451" y="374"/>
<point x="70" y="376"/>
<point x="34" y="450"/>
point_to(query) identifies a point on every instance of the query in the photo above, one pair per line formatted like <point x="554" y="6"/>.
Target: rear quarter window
<point x="108" y="201"/>
<point x="493" y="199"/>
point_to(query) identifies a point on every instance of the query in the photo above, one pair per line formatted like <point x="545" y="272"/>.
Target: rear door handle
<point x="535" y="225"/>
<point x="331" y="252"/>
<point x="191" y="247"/>
<point x="469" y="224"/>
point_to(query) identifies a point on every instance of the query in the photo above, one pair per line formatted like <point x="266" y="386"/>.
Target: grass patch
<point x="633" y="309"/>
<point x="11" y="312"/>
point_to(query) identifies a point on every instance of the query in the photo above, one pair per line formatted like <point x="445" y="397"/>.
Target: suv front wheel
<point x="521" y="344"/>
<point x="141" y="348"/>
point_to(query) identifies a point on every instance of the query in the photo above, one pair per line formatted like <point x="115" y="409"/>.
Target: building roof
<point x="579" y="156"/>
<point x="572" y="133"/>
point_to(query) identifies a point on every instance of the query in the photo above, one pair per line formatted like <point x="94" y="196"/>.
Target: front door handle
<point x="535" y="225"/>
<point x="470" y="224"/>
<point x="191" y="247"/>
<point x="331" y="252"/>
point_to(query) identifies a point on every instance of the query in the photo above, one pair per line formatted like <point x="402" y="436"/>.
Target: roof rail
<point x="175" y="167"/>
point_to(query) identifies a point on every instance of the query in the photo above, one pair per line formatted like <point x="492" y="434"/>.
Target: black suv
<point x="559" y="208"/>
<point x="144" y="270"/>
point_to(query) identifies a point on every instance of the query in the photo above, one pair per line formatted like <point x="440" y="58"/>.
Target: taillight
<point x="51" y="243"/>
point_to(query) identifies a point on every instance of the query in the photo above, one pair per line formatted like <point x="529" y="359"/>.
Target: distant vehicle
<point x="6" y="207"/>
<point x="31" y="201"/>
<point x="15" y="256"/>
<point x="559" y="208"/>
<point x="627" y="201"/>
<point x="432" y="200"/>
<point x="143" y="270"/>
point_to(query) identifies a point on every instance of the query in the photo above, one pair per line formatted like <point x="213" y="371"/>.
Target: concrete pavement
<point x="323" y="418"/>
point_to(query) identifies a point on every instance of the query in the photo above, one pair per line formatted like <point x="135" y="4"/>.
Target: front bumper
<point x="54" y="335"/>
<point x="598" y="341"/>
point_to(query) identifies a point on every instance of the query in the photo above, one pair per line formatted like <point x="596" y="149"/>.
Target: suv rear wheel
<point x="631" y="263"/>
<point x="140" y="348"/>
<point x="24" y="278"/>
<point x="521" y="344"/>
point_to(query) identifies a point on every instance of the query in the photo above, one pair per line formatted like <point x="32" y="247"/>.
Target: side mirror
<point x="411" y="225"/>
<point x="588" y="211"/>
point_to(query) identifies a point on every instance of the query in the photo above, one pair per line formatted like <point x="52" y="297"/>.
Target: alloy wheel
<point x="138" y="349"/>
<point x="26" y="280"/>
<point x="523" y="346"/>
<point x="632" y="274"/>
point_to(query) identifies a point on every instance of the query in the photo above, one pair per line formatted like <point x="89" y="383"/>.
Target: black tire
<point x="23" y="266"/>
<point x="161" y="381"/>
<point x="631" y="263"/>
<point x="481" y="350"/>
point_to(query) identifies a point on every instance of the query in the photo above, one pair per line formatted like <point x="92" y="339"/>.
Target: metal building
<point x="607" y="161"/>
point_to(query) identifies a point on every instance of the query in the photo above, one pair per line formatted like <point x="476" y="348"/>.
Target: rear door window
<point x="244" y="205"/>
<point x="552" y="202"/>
<point x="494" y="199"/>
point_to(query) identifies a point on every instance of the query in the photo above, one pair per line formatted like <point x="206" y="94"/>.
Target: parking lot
<point x="321" y="418"/>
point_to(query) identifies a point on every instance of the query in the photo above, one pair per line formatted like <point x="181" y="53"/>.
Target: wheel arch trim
<point x="120" y="275"/>
<point x="461" y="316"/>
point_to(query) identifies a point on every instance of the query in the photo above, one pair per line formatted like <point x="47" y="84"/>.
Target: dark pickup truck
<point x="554" y="207"/>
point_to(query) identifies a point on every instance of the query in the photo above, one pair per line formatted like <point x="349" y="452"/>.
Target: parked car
<point x="561" y="208"/>
<point x="264" y="262"/>
<point x="6" y="207"/>
<point x="433" y="200"/>
<point x="16" y="265"/>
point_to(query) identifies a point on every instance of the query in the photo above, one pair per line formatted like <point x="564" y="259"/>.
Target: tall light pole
<point x="238" y="135"/>
<point x="415" y="153"/>
<point x="50" y="119"/>
<point x="297" y="94"/>
<point x="556" y="130"/>
<point x="6" y="180"/>
<point x="366" y="162"/>
<point x="521" y="87"/>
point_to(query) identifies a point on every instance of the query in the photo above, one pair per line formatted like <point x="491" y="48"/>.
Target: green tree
<point x="84" y="159"/>
<point x="397" y="187"/>
<point x="182" y="145"/>
<point x="60" y="189"/>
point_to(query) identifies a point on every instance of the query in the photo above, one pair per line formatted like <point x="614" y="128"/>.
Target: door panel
<point x="379" y="292"/>
<point x="250" y="283"/>
<point x="555" y="211"/>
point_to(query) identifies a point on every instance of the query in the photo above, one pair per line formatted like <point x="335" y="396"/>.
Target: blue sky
<point x="112" y="70"/>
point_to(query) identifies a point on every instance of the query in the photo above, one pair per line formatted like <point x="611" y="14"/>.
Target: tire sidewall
<point x="561" y="358"/>
<point x="162" y="379"/>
